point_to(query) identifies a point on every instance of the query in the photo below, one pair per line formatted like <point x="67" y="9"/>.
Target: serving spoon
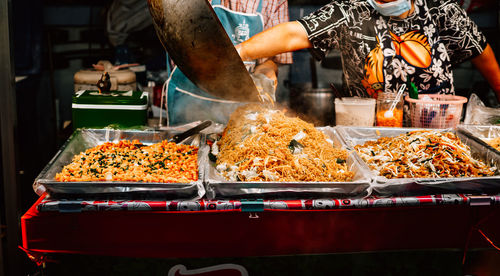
<point x="390" y="113"/>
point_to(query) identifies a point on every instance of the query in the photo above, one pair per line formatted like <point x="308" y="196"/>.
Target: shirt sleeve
<point x="322" y="29"/>
<point x="275" y="12"/>
<point x="461" y="36"/>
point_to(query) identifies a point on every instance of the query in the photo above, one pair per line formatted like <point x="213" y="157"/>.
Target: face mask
<point x="395" y="8"/>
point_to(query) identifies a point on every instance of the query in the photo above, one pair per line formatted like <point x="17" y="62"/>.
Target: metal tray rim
<point x="326" y="188"/>
<point x="44" y="184"/>
<point x="368" y="177"/>
<point x="467" y="129"/>
<point x="395" y="181"/>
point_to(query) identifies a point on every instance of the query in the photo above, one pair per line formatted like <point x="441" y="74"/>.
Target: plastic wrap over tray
<point x="218" y="187"/>
<point x="83" y="139"/>
<point x="381" y="185"/>
<point x="484" y="134"/>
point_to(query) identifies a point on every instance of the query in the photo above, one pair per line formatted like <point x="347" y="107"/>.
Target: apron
<point x="184" y="100"/>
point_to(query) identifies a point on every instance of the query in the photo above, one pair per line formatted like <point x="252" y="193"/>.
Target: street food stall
<point x="266" y="182"/>
<point x="222" y="211"/>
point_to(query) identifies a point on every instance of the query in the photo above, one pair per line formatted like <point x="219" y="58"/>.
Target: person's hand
<point x="268" y="69"/>
<point x="267" y="81"/>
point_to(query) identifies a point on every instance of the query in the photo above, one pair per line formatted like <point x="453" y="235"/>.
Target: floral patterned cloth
<point x="380" y="53"/>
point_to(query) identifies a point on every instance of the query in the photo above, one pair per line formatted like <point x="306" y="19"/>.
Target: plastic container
<point x="385" y="118"/>
<point x="436" y="110"/>
<point x="355" y="111"/>
<point x="90" y="109"/>
<point x="121" y="80"/>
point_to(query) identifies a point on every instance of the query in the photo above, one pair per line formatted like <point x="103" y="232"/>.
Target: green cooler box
<point x="121" y="108"/>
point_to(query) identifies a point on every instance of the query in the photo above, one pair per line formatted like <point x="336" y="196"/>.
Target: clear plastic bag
<point x="479" y="114"/>
<point x="265" y="86"/>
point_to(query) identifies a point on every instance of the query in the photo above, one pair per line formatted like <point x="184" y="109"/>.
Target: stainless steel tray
<point x="83" y="139"/>
<point x="352" y="136"/>
<point x="483" y="133"/>
<point x="218" y="187"/>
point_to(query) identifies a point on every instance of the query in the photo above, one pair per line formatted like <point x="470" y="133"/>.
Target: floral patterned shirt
<point x="380" y="53"/>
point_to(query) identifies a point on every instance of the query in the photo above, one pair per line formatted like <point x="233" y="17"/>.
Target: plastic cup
<point x="384" y="116"/>
<point x="355" y="111"/>
<point x="436" y="110"/>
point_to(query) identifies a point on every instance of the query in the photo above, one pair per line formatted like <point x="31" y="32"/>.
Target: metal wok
<point x="195" y="39"/>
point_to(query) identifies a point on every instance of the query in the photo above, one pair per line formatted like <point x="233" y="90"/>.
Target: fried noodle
<point x="260" y="144"/>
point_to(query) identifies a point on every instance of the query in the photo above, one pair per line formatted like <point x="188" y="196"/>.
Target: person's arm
<point x="276" y="13"/>
<point x="282" y="38"/>
<point x="486" y="63"/>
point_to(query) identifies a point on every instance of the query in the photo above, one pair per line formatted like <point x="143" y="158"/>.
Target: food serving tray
<point x="381" y="185"/>
<point x="483" y="134"/>
<point x="83" y="139"/>
<point x="218" y="187"/>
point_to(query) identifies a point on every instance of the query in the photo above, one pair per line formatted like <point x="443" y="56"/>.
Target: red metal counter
<point x="225" y="228"/>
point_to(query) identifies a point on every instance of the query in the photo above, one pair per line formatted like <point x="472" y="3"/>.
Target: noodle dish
<point x="261" y="144"/>
<point x="422" y="154"/>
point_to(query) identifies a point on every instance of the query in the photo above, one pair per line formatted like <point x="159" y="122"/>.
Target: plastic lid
<point x="91" y="76"/>
<point x="355" y="101"/>
<point x="437" y="99"/>
<point x="114" y="98"/>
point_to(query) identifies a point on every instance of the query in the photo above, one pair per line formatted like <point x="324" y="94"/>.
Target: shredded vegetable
<point x="422" y="154"/>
